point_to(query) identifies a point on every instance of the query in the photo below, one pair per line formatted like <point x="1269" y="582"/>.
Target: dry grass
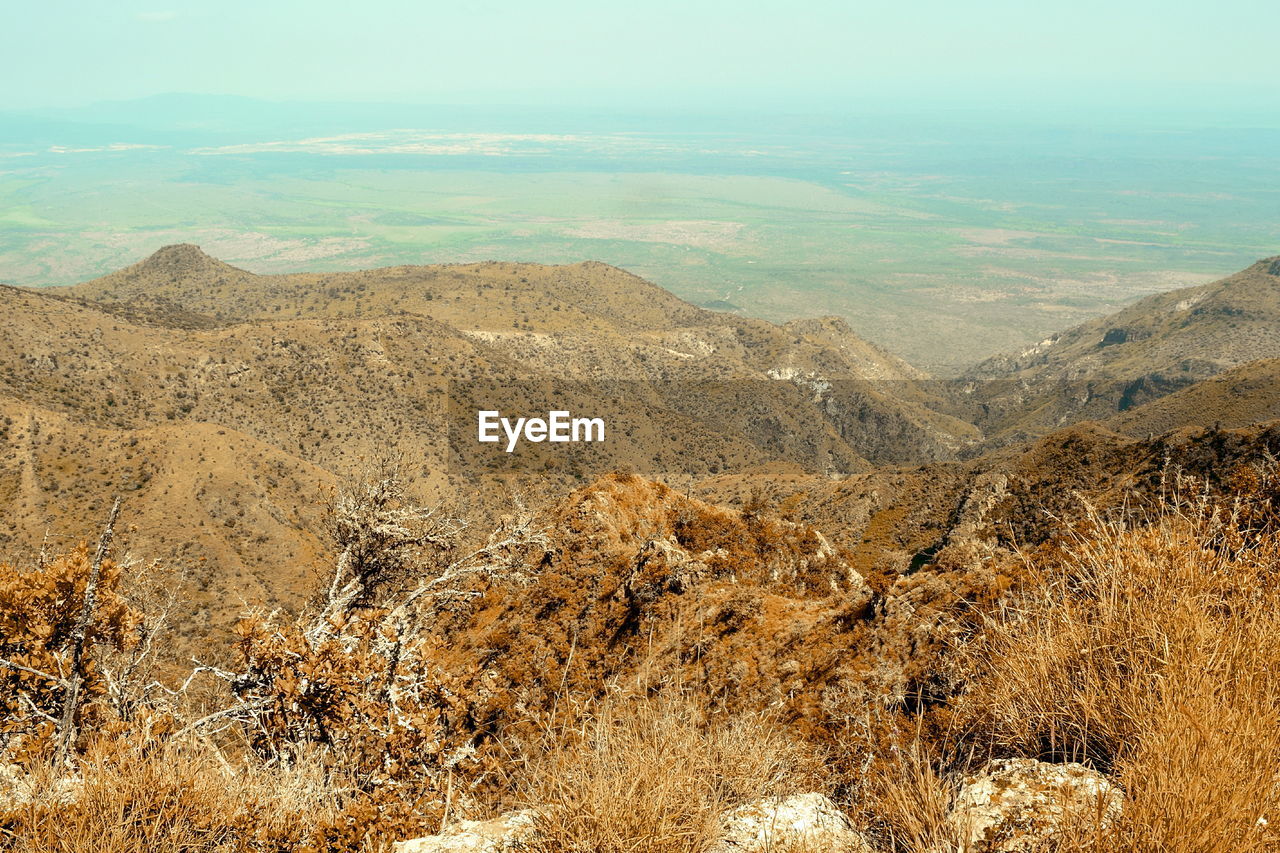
<point x="909" y="798"/>
<point x="654" y="775"/>
<point x="175" y="799"/>
<point x="1152" y="652"/>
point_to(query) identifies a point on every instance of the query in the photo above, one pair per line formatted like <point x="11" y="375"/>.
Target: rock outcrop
<point x="803" y="823"/>
<point x="17" y="789"/>
<point x="800" y="823"/>
<point x="500" y="835"/>
<point x="1016" y="804"/>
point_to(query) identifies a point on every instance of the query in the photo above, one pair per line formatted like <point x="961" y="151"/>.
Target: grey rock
<point x="500" y="835"/>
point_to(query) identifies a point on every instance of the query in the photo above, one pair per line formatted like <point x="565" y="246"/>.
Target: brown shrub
<point x="39" y="608"/>
<point x="1151" y="651"/>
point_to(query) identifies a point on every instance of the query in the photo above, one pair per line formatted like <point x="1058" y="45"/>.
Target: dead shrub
<point x="39" y="611"/>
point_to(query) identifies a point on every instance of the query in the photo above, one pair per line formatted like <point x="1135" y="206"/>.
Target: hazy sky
<point x="69" y="52"/>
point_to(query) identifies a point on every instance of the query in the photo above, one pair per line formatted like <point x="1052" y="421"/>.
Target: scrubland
<point x="1143" y="641"/>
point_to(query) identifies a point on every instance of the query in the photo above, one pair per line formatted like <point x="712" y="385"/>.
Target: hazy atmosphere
<point x="1122" y="55"/>
<point x="1017" y="168"/>
<point x="669" y="427"/>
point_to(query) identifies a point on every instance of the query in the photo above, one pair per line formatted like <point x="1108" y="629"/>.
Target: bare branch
<point x="66" y="728"/>
<point x="246" y="709"/>
<point x="54" y="678"/>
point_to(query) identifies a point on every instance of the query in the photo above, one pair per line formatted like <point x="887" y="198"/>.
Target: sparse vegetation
<point x="1141" y="643"/>
<point x="630" y="662"/>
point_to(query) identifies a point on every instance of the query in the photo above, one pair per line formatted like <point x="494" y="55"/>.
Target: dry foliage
<point x="1152" y="650"/>
<point x="346" y="696"/>
<point x="39" y="612"/>
<point x="1147" y="645"/>
<point x="654" y="775"/>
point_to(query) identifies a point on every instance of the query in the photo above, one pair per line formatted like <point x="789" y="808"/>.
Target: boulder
<point x="1016" y="804"/>
<point x="500" y="835"/>
<point x="803" y="823"/>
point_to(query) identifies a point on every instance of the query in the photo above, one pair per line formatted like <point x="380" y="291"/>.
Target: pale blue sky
<point x="1172" y="52"/>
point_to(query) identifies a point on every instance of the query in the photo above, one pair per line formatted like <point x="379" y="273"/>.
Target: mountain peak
<point x="173" y="277"/>
<point x="179" y="263"/>
<point x="182" y="258"/>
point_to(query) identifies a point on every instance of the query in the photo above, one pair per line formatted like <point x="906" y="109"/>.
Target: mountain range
<point x="227" y="406"/>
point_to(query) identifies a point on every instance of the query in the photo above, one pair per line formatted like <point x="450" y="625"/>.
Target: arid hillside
<point x="237" y="520"/>
<point x="1156" y="346"/>
<point x="635" y="668"/>
<point x="895" y="520"/>
<point x="1238" y="397"/>
<point x="804" y="586"/>
<point x="152" y="380"/>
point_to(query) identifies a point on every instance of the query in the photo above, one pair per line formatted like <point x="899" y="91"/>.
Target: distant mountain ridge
<point x="493" y="297"/>
<point x="1153" y="348"/>
<point x="226" y="404"/>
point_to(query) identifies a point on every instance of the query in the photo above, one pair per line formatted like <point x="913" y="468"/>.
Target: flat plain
<point x="944" y="242"/>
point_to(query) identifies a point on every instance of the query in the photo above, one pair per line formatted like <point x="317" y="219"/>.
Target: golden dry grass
<point x="174" y="799"/>
<point x="654" y="775"/>
<point x="1151" y="651"/>
<point x="909" y="798"/>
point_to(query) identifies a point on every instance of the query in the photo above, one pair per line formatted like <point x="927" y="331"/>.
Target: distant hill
<point x="153" y="379"/>
<point x="227" y="405"/>
<point x="1158" y="345"/>
<point x="585" y="305"/>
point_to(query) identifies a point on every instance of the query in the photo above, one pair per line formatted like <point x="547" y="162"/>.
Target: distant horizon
<point x="191" y="114"/>
<point x="959" y="179"/>
<point x="1241" y="107"/>
<point x="1132" y="55"/>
